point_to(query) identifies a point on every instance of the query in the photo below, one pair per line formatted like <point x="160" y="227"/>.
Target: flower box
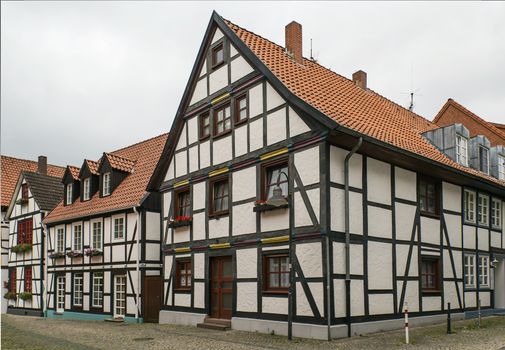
<point x="21" y="248"/>
<point x="180" y="221"/>
<point x="56" y="255"/>
<point x="10" y="296"/>
<point x="74" y="254"/>
<point x="92" y="252"/>
<point x="25" y="296"/>
<point x="261" y="206"/>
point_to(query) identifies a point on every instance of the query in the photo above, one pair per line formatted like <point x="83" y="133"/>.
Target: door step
<point x="215" y="324"/>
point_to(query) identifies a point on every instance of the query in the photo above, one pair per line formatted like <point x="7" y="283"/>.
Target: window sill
<point x="222" y="134"/>
<point x="217" y="65"/>
<point x="431" y="293"/>
<point x="180" y="224"/>
<point x="240" y="122"/>
<point x="267" y="207"/>
<point x="182" y="291"/>
<point x="204" y="138"/>
<point x="430" y="215"/>
<point x="275" y="293"/>
<point x="217" y="216"/>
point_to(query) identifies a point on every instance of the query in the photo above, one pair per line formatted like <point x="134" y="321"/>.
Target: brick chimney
<point x="293" y="33"/>
<point x="42" y="165"/>
<point x="359" y="79"/>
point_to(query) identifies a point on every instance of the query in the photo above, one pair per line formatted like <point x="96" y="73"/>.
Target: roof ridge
<point x="31" y="161"/>
<point x="137" y="143"/>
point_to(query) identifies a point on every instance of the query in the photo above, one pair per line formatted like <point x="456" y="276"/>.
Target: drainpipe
<point x="139" y="221"/>
<point x="328" y="288"/>
<point x="43" y="283"/>
<point x="348" y="238"/>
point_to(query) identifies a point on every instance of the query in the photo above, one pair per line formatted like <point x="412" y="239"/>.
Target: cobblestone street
<point x="38" y="333"/>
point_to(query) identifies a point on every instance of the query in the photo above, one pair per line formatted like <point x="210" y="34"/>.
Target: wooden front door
<point x="152" y="298"/>
<point x="221" y="287"/>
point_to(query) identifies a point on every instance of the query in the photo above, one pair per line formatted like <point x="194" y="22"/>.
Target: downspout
<point x="43" y="283"/>
<point x="139" y="225"/>
<point x="348" y="238"/>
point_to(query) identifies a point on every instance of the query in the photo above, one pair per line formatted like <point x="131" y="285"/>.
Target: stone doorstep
<point x="215" y="324"/>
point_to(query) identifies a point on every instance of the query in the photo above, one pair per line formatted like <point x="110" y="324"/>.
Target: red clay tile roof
<point x="74" y="171"/>
<point x="120" y="163"/>
<point x="496" y="129"/>
<point x="10" y="170"/>
<point x="130" y="191"/>
<point x="342" y="100"/>
<point x="93" y="166"/>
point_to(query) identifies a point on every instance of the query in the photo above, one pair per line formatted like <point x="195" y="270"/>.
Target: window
<point x="218" y="55"/>
<point x="24" y="191"/>
<point x="469" y="271"/>
<point x="204" y="125"/>
<point x="430" y="278"/>
<point x="12" y="280"/>
<point x="60" y="240"/>
<point x="469" y="202"/>
<point x="25" y="231"/>
<point x="77" y="237"/>
<point x="501" y="167"/>
<point x="118" y="228"/>
<point x="483" y="210"/>
<point x="28" y="279"/>
<point x="222" y="119"/>
<point x="182" y="203"/>
<point x="96" y="242"/>
<point x="241" y="110"/>
<point x="97" y="297"/>
<point x="496" y="213"/>
<point x="69" y="194"/>
<point x="183" y="275"/>
<point x="484" y="159"/>
<point x="106" y="184"/>
<point x="272" y="173"/>
<point x="219" y="197"/>
<point x="120" y="296"/>
<point x="484" y="271"/>
<point x="428" y="196"/>
<point x="78" y="289"/>
<point x="461" y="150"/>
<point x="276" y="273"/>
<point x="60" y="294"/>
<point x="86" y="189"/>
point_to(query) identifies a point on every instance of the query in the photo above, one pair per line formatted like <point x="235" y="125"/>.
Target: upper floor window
<point x="24" y="191"/>
<point x="12" y="279"/>
<point x="241" y="110"/>
<point x="204" y="125"/>
<point x="217" y="55"/>
<point x="118" y="228"/>
<point x="501" y="168"/>
<point x="461" y="150"/>
<point x="496" y="213"/>
<point x="106" y="184"/>
<point x="470" y="271"/>
<point x="484" y="271"/>
<point x="484" y="159"/>
<point x="25" y="231"/>
<point x="28" y="279"/>
<point x="430" y="274"/>
<point x="276" y="273"/>
<point x="469" y="204"/>
<point x="483" y="210"/>
<point x="274" y="175"/>
<point x="60" y="241"/>
<point x="219" y="197"/>
<point x="77" y="237"/>
<point x="222" y="119"/>
<point x="183" y="275"/>
<point x="69" y="194"/>
<point x="96" y="238"/>
<point x="182" y="203"/>
<point x="86" y="189"/>
<point x="428" y="196"/>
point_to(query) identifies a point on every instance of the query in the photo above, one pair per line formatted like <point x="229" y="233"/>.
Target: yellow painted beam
<point x="275" y="239"/>
<point x="274" y="153"/>
<point x="220" y="98"/>
<point x="183" y="250"/>
<point x="218" y="172"/>
<point x="181" y="183"/>
<point x="219" y="246"/>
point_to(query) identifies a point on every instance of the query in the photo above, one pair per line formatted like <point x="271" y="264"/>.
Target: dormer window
<point x="461" y="150"/>
<point x="501" y="168"/>
<point x="106" y="184"/>
<point x="86" y="189"/>
<point x="24" y="192"/>
<point x="69" y="194"/>
<point x="484" y="159"/>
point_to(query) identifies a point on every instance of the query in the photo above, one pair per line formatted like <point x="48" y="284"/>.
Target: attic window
<point x="217" y="55"/>
<point x="461" y="150"/>
<point x="501" y="167"/>
<point x="24" y="191"/>
<point x="86" y="189"/>
<point x="106" y="184"/>
<point x="69" y="194"/>
<point x="204" y="125"/>
<point x="484" y="159"/>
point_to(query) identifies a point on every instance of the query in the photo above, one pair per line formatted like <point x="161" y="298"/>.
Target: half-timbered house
<point x="103" y="239"/>
<point x="297" y="201"/>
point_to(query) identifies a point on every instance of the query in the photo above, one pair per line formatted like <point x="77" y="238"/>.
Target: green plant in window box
<point x="25" y="296"/>
<point x="74" y="254"/>
<point x="10" y="296"/>
<point x="21" y="248"/>
<point x="56" y="255"/>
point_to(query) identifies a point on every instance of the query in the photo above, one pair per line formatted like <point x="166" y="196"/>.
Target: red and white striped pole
<point x="406" y="324"/>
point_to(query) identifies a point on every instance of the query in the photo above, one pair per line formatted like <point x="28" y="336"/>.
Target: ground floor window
<point x="97" y="297"/>
<point x="276" y="273"/>
<point x="120" y="295"/>
<point x="484" y="271"/>
<point x="78" y="284"/>
<point x="60" y="293"/>
<point x="183" y="275"/>
<point x="430" y="274"/>
<point x="469" y="271"/>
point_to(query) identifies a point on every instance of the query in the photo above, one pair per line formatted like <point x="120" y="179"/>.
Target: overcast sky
<point x="81" y="78"/>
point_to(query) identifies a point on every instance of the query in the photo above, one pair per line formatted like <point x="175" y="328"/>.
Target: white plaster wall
<point x="451" y="196"/>
<point x="432" y="303"/>
<point x="218" y="34"/>
<point x="222" y="150"/>
<point x="405" y="216"/>
<point x="182" y="299"/>
<point x="453" y="224"/>
<point x="483" y="238"/>
<point x="430" y="230"/>
<point x="170" y="171"/>
<point x="302" y="217"/>
<point x="204" y="154"/>
<point x="199" y="265"/>
<point x="198" y="226"/>
<point x="198" y="195"/>
<point x="302" y="304"/>
<point x="485" y="298"/>
<point x="469" y="237"/>
<point x="296" y="124"/>
<point x="273" y="98"/>
<point x="470" y="299"/>
<point x="405" y="184"/>
<point x="496" y="239"/>
<point x="193" y="159"/>
<point x="275" y="305"/>
<point x="275" y="220"/>
<point x="337" y="158"/>
<point x="152" y="225"/>
<point x="203" y="70"/>
<point x="256" y="101"/>
<point x="247" y="296"/>
<point x="218" y="79"/>
<point x="379" y="265"/>
<point x="181" y="234"/>
<point x="247" y="263"/>
<point x="307" y="165"/>
<point x="152" y="251"/>
<point x="276" y="126"/>
<point x="118" y="253"/>
<point x="192" y="125"/>
<point x="181" y="165"/>
<point x="219" y="227"/>
<point x="241" y="177"/>
<point x="356" y="253"/>
<point x="256" y="134"/>
<point x="310" y="258"/>
<point x="241" y="140"/>
<point x="199" y="290"/>
<point x="380" y="304"/>
<point x="337" y="219"/>
<point x="339" y="297"/>
<point x="240" y="68"/>
<point x="233" y="50"/>
<point x="244" y="219"/>
<point x="379" y="222"/>
<point x="402" y="252"/>
<point x="411" y="295"/>
<point x="379" y="181"/>
<point x="182" y="141"/>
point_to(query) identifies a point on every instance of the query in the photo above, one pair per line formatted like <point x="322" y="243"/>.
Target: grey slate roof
<point x="46" y="190"/>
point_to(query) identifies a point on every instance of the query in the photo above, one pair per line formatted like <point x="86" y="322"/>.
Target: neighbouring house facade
<point x="103" y="239"/>
<point x="292" y="195"/>
<point x="11" y="169"/>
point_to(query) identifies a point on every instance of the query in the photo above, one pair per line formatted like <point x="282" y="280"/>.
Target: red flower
<point x="182" y="218"/>
<point x="259" y="202"/>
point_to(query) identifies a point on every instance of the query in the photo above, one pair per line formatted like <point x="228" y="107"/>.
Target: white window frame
<point x="97" y="290"/>
<point x="484" y="271"/>
<point x="119" y="295"/>
<point x="484" y="149"/>
<point x="462" y="150"/>
<point x="60" y="240"/>
<point x="60" y="294"/>
<point x="77" y="237"/>
<point x="97" y="235"/>
<point x="469" y="208"/>
<point x="501" y="167"/>
<point x="86" y="189"/>
<point x="69" y="193"/>
<point x="106" y="184"/>
<point x="119" y="228"/>
<point x="496" y="213"/>
<point x="483" y="210"/>
<point x="469" y="270"/>
<point x="78" y="289"/>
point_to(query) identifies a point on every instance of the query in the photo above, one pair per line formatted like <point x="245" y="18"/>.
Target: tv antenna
<point x="412" y="92"/>
<point x="311" y="57"/>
